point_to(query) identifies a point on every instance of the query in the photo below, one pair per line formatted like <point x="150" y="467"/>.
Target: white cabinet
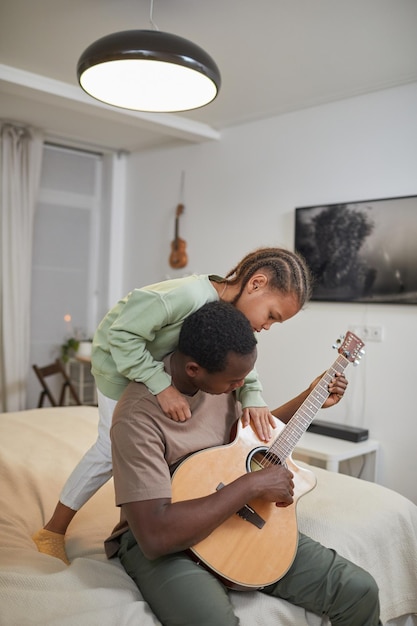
<point x="331" y="453"/>
<point x="79" y="371"/>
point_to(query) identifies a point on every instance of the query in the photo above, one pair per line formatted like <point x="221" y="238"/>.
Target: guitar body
<point x="178" y="257"/>
<point x="242" y="555"/>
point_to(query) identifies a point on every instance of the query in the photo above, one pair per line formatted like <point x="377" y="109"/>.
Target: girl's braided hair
<point x="287" y="272"/>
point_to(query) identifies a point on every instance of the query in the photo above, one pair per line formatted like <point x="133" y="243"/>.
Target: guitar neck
<point x="285" y="443"/>
<point x="177" y="219"/>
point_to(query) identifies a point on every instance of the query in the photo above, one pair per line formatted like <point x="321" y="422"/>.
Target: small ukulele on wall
<point x="178" y="257"/>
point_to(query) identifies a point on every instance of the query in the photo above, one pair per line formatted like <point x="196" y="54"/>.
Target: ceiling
<point x="275" y="56"/>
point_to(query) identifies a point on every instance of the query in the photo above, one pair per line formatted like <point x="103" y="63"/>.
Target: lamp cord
<point x="154" y="26"/>
<point x="182" y="186"/>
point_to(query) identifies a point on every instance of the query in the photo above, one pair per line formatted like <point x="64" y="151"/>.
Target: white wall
<point x="240" y="193"/>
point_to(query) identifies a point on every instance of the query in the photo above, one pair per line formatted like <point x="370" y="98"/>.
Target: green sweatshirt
<point x="143" y="327"/>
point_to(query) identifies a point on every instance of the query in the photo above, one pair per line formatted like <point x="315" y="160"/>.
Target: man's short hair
<point x="214" y="330"/>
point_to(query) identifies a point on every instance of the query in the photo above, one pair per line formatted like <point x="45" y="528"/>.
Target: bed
<point x="371" y="525"/>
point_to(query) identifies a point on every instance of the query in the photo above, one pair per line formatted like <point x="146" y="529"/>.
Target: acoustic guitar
<point x="256" y="546"/>
<point x="178" y="257"/>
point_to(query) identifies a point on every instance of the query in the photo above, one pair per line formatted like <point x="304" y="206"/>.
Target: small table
<point x="332" y="451"/>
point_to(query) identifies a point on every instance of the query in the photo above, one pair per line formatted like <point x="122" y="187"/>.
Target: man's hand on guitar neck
<point x="337" y="388"/>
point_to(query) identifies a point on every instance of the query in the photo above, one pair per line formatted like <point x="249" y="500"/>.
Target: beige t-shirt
<point x="146" y="444"/>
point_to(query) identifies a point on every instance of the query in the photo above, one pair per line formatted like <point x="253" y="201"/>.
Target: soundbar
<point x="339" y="431"/>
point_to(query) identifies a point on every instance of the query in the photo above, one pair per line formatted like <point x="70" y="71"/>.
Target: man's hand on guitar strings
<point x="274" y="484"/>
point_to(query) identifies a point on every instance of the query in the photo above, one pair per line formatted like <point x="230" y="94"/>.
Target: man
<point x="216" y="350"/>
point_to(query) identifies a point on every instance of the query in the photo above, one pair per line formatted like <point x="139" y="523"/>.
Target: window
<point x="65" y="269"/>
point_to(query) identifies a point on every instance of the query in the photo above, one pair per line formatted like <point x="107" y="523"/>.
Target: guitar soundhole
<point x="260" y="458"/>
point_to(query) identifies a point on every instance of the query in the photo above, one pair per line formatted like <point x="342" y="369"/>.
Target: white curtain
<point x="20" y="167"/>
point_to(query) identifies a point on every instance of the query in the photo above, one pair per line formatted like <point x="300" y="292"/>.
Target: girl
<point x="269" y="285"/>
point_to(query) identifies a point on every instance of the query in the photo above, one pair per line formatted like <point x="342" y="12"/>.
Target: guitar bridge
<point x="247" y="513"/>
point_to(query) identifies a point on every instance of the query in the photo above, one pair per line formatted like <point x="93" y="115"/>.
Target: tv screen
<point x="361" y="251"/>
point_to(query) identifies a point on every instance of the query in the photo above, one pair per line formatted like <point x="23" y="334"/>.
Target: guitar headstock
<point x="351" y="346"/>
<point x="180" y="210"/>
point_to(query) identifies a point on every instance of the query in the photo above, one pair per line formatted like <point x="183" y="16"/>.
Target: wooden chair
<point x="55" y="369"/>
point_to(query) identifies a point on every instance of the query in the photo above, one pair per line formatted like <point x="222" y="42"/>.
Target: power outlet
<point x="369" y="333"/>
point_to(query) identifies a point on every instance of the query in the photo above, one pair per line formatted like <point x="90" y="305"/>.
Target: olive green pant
<point x="181" y="593"/>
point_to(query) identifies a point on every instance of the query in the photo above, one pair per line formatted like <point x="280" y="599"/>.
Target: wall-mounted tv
<point x="361" y="251"/>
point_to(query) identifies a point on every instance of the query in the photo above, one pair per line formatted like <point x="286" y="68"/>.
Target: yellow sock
<point x="51" y="543"/>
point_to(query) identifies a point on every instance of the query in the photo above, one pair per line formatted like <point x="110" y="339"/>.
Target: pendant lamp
<point x="148" y="70"/>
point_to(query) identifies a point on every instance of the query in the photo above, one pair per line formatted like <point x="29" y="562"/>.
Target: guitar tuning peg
<point x="362" y="352"/>
<point x="356" y="362"/>
<point x="338" y="342"/>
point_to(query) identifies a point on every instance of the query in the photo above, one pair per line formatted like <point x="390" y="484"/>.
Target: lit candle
<point x="68" y="322"/>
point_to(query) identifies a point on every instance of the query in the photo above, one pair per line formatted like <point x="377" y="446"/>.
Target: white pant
<point x="95" y="468"/>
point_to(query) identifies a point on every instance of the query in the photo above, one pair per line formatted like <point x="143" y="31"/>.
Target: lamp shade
<point x="148" y="70"/>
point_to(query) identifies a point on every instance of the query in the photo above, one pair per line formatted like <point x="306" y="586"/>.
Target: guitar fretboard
<point x="286" y="441"/>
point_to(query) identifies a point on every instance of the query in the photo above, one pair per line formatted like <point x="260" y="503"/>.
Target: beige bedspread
<point x="369" y="524"/>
